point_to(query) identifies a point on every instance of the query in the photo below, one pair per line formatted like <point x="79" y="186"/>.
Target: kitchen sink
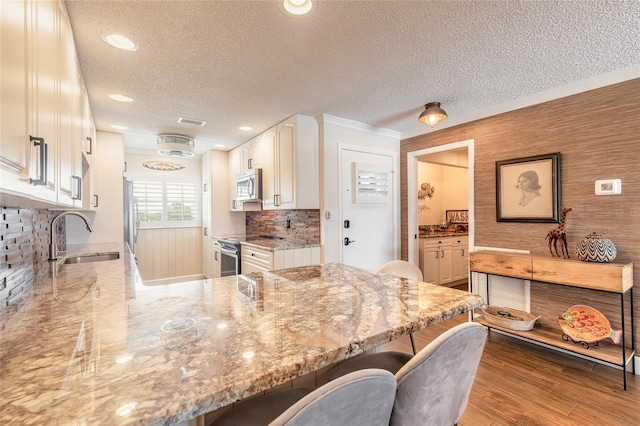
<point x="92" y="257"/>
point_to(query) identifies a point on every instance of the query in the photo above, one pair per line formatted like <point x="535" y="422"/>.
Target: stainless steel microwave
<point x="249" y="186"/>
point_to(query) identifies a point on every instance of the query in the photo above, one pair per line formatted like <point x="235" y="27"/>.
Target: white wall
<point x="335" y="131"/>
<point x="107" y="218"/>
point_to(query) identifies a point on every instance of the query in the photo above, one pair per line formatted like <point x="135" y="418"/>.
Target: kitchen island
<point x="92" y="344"/>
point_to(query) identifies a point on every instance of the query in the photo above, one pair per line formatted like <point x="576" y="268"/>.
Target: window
<point x="165" y="202"/>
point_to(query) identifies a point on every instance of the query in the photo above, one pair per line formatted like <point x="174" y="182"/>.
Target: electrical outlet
<point x="288" y="224"/>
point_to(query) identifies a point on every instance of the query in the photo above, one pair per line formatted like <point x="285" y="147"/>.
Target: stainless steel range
<point x="230" y="256"/>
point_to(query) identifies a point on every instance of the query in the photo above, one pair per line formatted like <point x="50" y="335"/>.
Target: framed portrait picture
<point x="528" y="189"/>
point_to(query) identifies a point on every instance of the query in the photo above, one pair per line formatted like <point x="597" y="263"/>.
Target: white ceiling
<point x="234" y="63"/>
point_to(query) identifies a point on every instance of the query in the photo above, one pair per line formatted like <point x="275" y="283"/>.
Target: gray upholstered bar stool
<point x="362" y="398"/>
<point x="434" y="386"/>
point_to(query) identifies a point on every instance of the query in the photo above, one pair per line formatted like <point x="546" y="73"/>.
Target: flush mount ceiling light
<point x="175" y="146"/>
<point x="120" y="42"/>
<point x="119" y="127"/>
<point x="297" y="7"/>
<point x="432" y="114"/>
<point x="245" y="128"/>
<point x="120" y="98"/>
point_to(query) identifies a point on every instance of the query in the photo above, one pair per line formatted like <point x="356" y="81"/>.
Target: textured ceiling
<point x="234" y="63"/>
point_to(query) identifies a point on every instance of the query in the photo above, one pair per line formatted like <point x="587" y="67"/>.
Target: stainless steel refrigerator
<point x="130" y="213"/>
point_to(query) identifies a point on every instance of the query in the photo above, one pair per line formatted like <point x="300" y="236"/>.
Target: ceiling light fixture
<point x="245" y="128"/>
<point x="119" y="127"/>
<point x="120" y="42"/>
<point x="120" y="98"/>
<point x="298" y="7"/>
<point x="175" y="146"/>
<point x="432" y="114"/>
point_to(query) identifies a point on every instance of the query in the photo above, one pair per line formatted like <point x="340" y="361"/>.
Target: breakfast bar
<point x="92" y="344"/>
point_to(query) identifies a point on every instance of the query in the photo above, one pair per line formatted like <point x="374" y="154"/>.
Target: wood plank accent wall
<point x="598" y="135"/>
<point x="169" y="252"/>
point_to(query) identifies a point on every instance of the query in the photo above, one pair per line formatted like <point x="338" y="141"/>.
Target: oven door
<point x="229" y="262"/>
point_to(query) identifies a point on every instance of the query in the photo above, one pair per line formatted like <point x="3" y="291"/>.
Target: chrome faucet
<point x="53" y="249"/>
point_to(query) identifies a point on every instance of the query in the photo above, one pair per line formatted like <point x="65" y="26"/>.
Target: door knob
<point x="347" y="241"/>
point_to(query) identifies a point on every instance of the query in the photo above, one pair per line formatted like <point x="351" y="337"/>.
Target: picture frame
<point x="457" y="216"/>
<point x="528" y="189"/>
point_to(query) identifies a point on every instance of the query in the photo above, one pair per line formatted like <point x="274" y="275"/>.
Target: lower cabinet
<point x="444" y="260"/>
<point x="255" y="259"/>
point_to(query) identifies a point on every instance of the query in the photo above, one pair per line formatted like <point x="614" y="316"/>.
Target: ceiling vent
<point x="175" y="146"/>
<point x="191" y="121"/>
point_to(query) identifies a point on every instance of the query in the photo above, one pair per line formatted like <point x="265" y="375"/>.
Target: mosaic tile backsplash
<point x="24" y="249"/>
<point x="304" y="225"/>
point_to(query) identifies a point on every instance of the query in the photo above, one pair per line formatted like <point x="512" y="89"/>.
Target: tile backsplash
<point x="24" y="249"/>
<point x="304" y="225"/>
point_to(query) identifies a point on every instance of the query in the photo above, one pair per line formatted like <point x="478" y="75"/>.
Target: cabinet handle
<point x="276" y="200"/>
<point x="205" y="231"/>
<point x="462" y="252"/>
<point x="204" y="187"/>
<point x="90" y="146"/>
<point x="42" y="180"/>
<point x="216" y="256"/>
<point x="437" y="254"/>
<point x="78" y="188"/>
<point x="442" y="251"/>
<point x="95" y="200"/>
<point x="249" y="165"/>
<point x="125" y="167"/>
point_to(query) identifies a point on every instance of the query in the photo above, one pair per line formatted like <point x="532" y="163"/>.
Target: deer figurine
<point x="559" y="234"/>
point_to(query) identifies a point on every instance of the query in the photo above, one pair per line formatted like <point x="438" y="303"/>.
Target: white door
<point x="368" y="224"/>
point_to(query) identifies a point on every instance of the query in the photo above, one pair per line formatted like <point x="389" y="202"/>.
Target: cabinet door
<point x="14" y="138"/>
<point x="70" y="122"/>
<point x="430" y="264"/>
<point x="43" y="79"/>
<point x="235" y="167"/>
<point x="268" y="169"/>
<point x="285" y="164"/>
<point x="446" y="264"/>
<point x="216" y="270"/>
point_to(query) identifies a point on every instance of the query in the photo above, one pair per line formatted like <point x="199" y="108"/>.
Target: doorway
<point x="437" y="154"/>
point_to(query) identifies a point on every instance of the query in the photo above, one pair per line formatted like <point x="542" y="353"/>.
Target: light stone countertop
<point x="94" y="345"/>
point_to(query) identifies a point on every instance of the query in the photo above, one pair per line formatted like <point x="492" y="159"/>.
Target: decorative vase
<point x="596" y="248"/>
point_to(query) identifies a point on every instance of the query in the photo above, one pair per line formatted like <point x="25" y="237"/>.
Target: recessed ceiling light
<point x="120" y="98"/>
<point x="120" y="42"/>
<point x="119" y="127"/>
<point x="219" y="145"/>
<point x="245" y="128"/>
<point x="297" y="7"/>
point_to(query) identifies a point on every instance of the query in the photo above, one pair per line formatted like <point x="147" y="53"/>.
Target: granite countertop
<point x="92" y="344"/>
<point x="268" y="243"/>
<point x="440" y="234"/>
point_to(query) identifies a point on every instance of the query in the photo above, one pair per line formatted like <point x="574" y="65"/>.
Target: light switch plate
<point x="609" y="187"/>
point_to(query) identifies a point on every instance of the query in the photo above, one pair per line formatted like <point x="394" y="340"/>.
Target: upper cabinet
<point x="235" y="167"/>
<point x="290" y="172"/>
<point x="43" y="126"/>
<point x="14" y="137"/>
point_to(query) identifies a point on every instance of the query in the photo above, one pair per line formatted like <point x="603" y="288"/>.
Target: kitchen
<point x="587" y="158"/>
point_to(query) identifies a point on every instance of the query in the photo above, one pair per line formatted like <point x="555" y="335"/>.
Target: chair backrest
<point x="434" y="386"/>
<point x="361" y="398"/>
<point x="403" y="269"/>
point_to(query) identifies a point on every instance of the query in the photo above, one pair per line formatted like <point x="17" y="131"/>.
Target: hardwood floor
<point x="519" y="383"/>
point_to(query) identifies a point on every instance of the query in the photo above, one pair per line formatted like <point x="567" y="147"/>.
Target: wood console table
<point x="615" y="278"/>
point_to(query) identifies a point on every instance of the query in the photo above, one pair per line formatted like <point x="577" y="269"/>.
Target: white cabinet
<point x="42" y="105"/>
<point x="235" y="167"/>
<point x="216" y="269"/>
<point x="255" y="259"/>
<point x="460" y="257"/>
<point x="15" y="147"/>
<point x="252" y="154"/>
<point x="290" y="172"/>
<point x="444" y="259"/>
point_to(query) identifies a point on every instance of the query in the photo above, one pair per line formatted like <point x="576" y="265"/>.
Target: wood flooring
<point x="519" y="383"/>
